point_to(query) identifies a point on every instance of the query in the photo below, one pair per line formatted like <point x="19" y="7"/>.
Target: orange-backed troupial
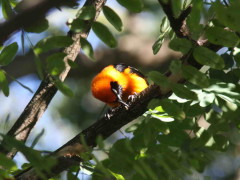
<point x="115" y="83"/>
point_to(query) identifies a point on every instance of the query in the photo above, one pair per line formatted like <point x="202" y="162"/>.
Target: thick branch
<point x="47" y="89"/>
<point x="104" y="127"/>
<point x="29" y="16"/>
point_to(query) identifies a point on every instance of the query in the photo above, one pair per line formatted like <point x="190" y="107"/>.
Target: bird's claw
<point x="132" y="97"/>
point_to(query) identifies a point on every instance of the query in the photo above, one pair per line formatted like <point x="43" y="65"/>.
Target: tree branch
<point x="30" y="16"/>
<point x="46" y="91"/>
<point x="104" y="127"/>
<point x="177" y="24"/>
<point x="118" y="118"/>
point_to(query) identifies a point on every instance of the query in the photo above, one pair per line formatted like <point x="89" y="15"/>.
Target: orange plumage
<point x="115" y="83"/>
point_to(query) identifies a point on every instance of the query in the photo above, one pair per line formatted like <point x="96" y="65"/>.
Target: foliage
<point x="178" y="135"/>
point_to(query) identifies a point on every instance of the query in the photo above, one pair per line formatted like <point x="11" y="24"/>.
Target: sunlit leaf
<point x="205" y="98"/>
<point x="165" y="26"/>
<point x="158" y="44"/>
<point x="117" y="176"/>
<point x="228" y="89"/>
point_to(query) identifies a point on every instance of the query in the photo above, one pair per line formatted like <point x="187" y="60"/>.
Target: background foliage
<point x="192" y="134"/>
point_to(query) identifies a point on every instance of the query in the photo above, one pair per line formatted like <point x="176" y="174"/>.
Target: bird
<point x="116" y="83"/>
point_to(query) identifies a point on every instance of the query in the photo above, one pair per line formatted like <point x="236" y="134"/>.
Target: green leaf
<point x="172" y="109"/>
<point x="39" y="162"/>
<point x="117" y="176"/>
<point x="37" y="27"/>
<point x="208" y="57"/>
<point x="6" y="163"/>
<point x="176" y="67"/>
<point x="87" y="48"/>
<point x="158" y="44"/>
<point x="193" y="110"/>
<point x="153" y="103"/>
<point x="159" y="79"/>
<point x="165" y="26"/>
<point x="220" y="36"/>
<point x="194" y="76"/>
<point x="14" y="3"/>
<point x="100" y="142"/>
<point x="50" y="43"/>
<point x="205" y="98"/>
<point x="4" y="83"/>
<point x="164" y="29"/>
<point x="6" y="9"/>
<point x="64" y="88"/>
<point x="228" y="16"/>
<point x="132" y="5"/>
<point x="183" y="92"/>
<point x="37" y="138"/>
<point x="193" y="20"/>
<point x="176" y="8"/>
<point x="72" y="64"/>
<point x="8" y="53"/>
<point x="228" y="60"/>
<point x="87" y="13"/>
<point x="228" y="89"/>
<point x="237" y="59"/>
<point x="104" y="34"/>
<point x="180" y="44"/>
<point x="78" y="25"/>
<point x="55" y="63"/>
<point x="113" y="17"/>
